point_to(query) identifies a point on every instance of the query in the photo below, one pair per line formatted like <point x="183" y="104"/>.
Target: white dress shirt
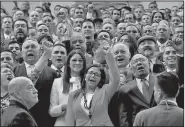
<point x="139" y="83"/>
<point x="161" y="46"/>
<point x="29" y="68"/>
<point x="7" y="36"/>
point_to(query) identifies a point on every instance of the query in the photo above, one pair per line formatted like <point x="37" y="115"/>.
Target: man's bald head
<point x="17" y="84"/>
<point x="22" y="89"/>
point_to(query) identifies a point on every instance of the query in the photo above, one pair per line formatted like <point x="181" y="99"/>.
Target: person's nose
<point x="35" y="90"/>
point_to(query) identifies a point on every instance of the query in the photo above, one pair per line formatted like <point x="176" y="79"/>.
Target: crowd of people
<point x="80" y="65"/>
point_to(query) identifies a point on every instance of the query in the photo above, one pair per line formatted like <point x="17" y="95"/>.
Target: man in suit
<point x="30" y="53"/>
<point x="147" y="46"/>
<point x="162" y="35"/>
<point x="134" y="96"/>
<point x="58" y="58"/>
<point x="166" y="113"/>
<point x="23" y="96"/>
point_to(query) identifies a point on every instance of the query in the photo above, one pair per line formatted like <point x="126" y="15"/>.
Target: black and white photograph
<point x="92" y="63"/>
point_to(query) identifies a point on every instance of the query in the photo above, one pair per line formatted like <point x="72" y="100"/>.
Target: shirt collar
<point x="147" y="78"/>
<point x="53" y="67"/>
<point x="7" y="36"/>
<point x="27" y="65"/>
<point x="168" y="70"/>
<point x="153" y="60"/>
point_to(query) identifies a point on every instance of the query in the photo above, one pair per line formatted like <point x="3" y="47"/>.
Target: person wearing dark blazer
<point x="23" y="96"/>
<point x="43" y="84"/>
<point x="88" y="106"/>
<point x="134" y="96"/>
<point x="166" y="113"/>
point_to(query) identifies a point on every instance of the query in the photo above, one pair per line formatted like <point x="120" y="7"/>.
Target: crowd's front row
<point x="83" y="97"/>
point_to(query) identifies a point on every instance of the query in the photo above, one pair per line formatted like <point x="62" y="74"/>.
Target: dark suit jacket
<point x="43" y="85"/>
<point x="160" y="116"/>
<point x="128" y="101"/>
<point x="17" y="115"/>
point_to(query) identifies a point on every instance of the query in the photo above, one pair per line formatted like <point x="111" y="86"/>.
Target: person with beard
<point x="147" y="47"/>
<point x="88" y="30"/>
<point x="116" y="15"/>
<point x="7" y="22"/>
<point x="20" y="30"/>
<point x="15" y="48"/>
<point x="77" y="42"/>
<point x="30" y="53"/>
<point x="162" y="35"/>
<point x="136" y="95"/>
<point x="167" y="112"/>
<point x="33" y="19"/>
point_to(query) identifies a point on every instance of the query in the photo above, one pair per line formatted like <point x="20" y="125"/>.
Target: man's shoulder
<point x="128" y="86"/>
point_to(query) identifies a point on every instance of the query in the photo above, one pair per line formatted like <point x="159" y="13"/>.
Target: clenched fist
<point x="47" y="47"/>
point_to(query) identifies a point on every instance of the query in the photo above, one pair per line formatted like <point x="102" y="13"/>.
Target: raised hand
<point x="48" y="47"/>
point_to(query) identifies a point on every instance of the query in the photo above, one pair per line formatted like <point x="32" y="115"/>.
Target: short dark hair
<point x="60" y="44"/>
<point x="155" y="13"/>
<point x="96" y="34"/>
<point x="39" y="7"/>
<point x="45" y="36"/>
<point x="13" y="42"/>
<point x="116" y="10"/>
<point x="7" y="50"/>
<point x="57" y="6"/>
<point x="24" y="20"/>
<point x="169" y="83"/>
<point x="88" y="20"/>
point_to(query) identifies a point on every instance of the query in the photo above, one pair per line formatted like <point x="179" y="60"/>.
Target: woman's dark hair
<point x="100" y="84"/>
<point x="67" y="70"/>
<point x="155" y="13"/>
<point x="132" y="43"/>
<point x="47" y="36"/>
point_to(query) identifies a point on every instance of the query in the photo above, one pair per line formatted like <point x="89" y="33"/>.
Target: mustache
<point x="147" y="48"/>
<point x="20" y="31"/>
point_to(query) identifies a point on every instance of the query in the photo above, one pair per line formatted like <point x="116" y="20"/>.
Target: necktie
<point x="59" y="72"/>
<point x="30" y="69"/>
<point x="145" y="89"/>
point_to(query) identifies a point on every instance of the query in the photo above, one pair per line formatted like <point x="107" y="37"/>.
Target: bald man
<point x="136" y="95"/>
<point x="23" y="96"/>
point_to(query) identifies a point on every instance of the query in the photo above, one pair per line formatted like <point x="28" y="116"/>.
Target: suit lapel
<point x="151" y="85"/>
<point x="40" y="80"/>
<point x="22" y="70"/>
<point x="137" y="92"/>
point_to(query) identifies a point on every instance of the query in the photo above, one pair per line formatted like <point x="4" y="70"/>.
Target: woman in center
<point x="88" y="106"/>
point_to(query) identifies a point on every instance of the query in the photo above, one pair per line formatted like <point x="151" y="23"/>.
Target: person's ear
<point x="17" y="95"/>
